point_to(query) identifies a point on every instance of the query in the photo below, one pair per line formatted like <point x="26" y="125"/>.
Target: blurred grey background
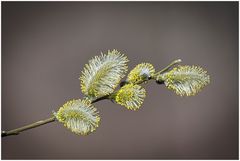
<point x="45" y="45"/>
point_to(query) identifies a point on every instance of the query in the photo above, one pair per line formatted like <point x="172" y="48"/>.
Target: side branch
<point x="169" y="66"/>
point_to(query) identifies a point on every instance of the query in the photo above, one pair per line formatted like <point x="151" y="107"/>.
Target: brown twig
<point x="27" y="127"/>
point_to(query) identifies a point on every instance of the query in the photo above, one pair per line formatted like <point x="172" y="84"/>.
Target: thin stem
<point x="100" y="98"/>
<point x="169" y="66"/>
<point x="27" y="127"/>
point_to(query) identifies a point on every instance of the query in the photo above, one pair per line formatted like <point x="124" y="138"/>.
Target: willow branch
<point x="53" y="118"/>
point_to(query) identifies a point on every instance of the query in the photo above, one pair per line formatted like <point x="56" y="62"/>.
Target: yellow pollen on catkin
<point x="186" y="80"/>
<point x="80" y="116"/>
<point x="103" y="73"/>
<point x="131" y="96"/>
<point x="142" y="72"/>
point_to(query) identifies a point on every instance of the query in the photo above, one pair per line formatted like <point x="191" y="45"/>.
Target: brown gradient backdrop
<point x="44" y="49"/>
